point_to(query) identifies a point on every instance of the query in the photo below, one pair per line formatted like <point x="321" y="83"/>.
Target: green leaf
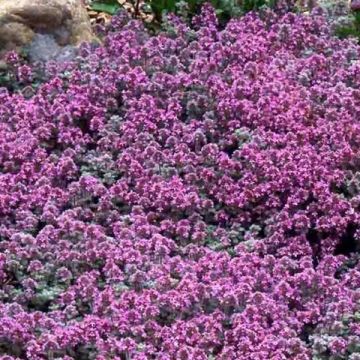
<point x="357" y="316"/>
<point x="107" y="8"/>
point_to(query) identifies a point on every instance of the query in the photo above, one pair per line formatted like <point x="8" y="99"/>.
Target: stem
<point x="137" y="5"/>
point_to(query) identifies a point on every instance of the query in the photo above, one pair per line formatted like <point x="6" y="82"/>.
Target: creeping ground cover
<point x="190" y="195"/>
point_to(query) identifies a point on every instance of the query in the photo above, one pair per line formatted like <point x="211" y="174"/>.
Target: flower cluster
<point x="189" y="195"/>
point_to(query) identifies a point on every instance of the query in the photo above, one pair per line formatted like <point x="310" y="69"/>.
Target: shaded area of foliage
<point x="225" y="9"/>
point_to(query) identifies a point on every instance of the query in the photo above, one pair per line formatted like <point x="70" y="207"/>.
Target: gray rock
<point x="43" y="25"/>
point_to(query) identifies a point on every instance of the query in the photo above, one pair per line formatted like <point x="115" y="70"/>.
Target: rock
<point x="14" y="34"/>
<point x="65" y="22"/>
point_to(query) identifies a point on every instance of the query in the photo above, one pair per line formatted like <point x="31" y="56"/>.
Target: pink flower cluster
<point x="190" y="195"/>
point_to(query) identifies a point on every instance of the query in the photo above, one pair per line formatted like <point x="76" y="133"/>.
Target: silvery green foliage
<point x="337" y="12"/>
<point x="44" y="48"/>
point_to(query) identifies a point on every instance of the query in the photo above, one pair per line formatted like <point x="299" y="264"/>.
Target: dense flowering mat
<point x="193" y="195"/>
